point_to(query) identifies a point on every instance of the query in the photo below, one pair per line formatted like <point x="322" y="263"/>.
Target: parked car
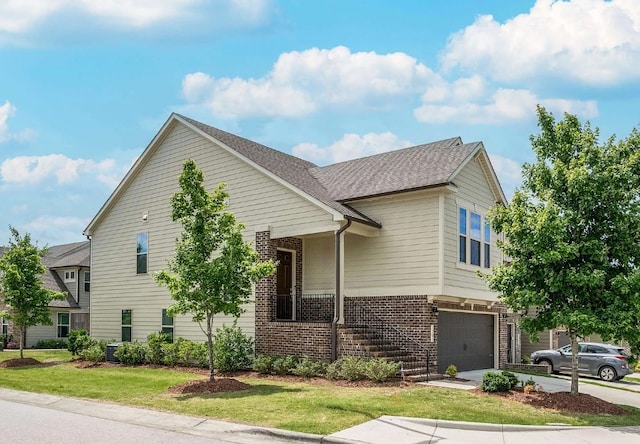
<point x="608" y="362"/>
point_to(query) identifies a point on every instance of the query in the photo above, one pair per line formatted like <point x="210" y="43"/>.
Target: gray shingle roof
<point x="76" y="254"/>
<point x="291" y="169"/>
<point x="407" y="169"/>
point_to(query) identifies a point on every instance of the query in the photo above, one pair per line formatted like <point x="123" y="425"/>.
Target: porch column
<point x="338" y="317"/>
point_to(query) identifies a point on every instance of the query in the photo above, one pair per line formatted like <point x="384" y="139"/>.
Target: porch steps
<point x="364" y="342"/>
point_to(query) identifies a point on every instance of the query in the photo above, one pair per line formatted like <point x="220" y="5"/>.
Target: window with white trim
<point x="126" y="325"/>
<point x="4" y="327"/>
<point x="142" y="246"/>
<point x="69" y="276"/>
<point x="167" y="323"/>
<point x="63" y="325"/>
<point x="87" y="281"/>
<point x="474" y="239"/>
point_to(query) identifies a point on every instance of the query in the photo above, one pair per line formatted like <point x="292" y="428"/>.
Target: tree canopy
<point x="572" y="235"/>
<point x="214" y="269"/>
<point x="21" y="285"/>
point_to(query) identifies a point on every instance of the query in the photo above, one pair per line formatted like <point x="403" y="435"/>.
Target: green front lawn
<point x="319" y="407"/>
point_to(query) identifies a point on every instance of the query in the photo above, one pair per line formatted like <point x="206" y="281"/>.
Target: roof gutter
<point x="338" y="298"/>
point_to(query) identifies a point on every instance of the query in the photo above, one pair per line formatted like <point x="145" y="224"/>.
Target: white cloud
<point x="62" y="169"/>
<point x="8" y="110"/>
<point x="470" y="100"/>
<point x="351" y="146"/>
<point x="594" y="41"/>
<point x="301" y="82"/>
<point x="55" y="229"/>
<point x="20" y="20"/>
<point x="509" y="173"/>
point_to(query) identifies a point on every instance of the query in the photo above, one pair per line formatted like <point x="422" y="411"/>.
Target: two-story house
<point x="67" y="271"/>
<point x="392" y="241"/>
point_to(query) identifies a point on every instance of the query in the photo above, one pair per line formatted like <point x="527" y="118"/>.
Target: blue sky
<point x="85" y="84"/>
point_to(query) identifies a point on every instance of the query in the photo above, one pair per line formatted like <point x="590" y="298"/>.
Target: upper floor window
<point x="87" y="281"/>
<point x="474" y="239"/>
<point x="69" y="276"/>
<point x="141" y="252"/>
<point x="487" y="243"/>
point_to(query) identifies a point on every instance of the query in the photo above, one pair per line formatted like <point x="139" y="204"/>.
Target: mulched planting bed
<point x="218" y="385"/>
<point x="19" y="362"/>
<point x="562" y="401"/>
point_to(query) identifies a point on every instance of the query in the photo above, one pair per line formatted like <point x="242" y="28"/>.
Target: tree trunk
<point x="21" y="342"/>
<point x="574" y="363"/>
<point x="210" y="345"/>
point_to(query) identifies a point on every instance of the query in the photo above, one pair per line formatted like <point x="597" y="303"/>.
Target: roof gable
<point x="331" y="187"/>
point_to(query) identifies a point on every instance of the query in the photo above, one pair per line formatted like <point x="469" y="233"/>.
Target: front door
<point x="284" y="286"/>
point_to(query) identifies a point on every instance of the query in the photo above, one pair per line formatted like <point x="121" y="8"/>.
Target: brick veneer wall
<point x="414" y="316"/>
<point x="279" y="338"/>
<point x="411" y="314"/>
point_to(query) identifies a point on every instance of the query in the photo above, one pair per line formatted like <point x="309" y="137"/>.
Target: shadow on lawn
<point x="255" y="390"/>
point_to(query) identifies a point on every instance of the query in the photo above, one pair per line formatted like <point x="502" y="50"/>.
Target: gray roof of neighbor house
<point x="77" y="254"/>
<point x="72" y="255"/>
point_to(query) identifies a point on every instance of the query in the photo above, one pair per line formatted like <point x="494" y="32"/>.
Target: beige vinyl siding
<point x="318" y="265"/>
<point x="85" y="297"/>
<point x="474" y="194"/>
<point x="256" y="199"/>
<point x="544" y="342"/>
<point x="39" y="332"/>
<point x="403" y="259"/>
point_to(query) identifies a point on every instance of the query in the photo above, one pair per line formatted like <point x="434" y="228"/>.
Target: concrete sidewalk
<point x="386" y="429"/>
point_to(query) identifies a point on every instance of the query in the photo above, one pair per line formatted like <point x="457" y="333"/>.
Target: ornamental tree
<point x="21" y="285"/>
<point x="214" y="269"/>
<point x="572" y="234"/>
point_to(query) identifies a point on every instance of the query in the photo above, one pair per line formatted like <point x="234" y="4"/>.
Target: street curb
<point x="482" y="427"/>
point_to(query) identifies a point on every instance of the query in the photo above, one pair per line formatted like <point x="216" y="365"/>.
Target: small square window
<point x="69" y="276"/>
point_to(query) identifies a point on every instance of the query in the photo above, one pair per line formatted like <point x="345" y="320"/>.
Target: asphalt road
<point x="22" y="423"/>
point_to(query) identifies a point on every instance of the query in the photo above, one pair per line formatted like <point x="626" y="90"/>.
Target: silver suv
<point x="608" y="362"/>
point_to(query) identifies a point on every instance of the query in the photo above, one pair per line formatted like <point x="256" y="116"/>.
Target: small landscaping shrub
<point x="77" y="341"/>
<point x="495" y="382"/>
<point x="94" y="353"/>
<point x="193" y="353"/>
<point x="131" y="353"/>
<point x="232" y="349"/>
<point x="51" y="343"/>
<point x="283" y="366"/>
<point x="381" y="370"/>
<point x="264" y="364"/>
<point x="156" y="343"/>
<point x="309" y="367"/>
<point x="451" y="371"/>
<point x="171" y="352"/>
<point x="513" y="379"/>
<point x="528" y="388"/>
<point x="526" y="359"/>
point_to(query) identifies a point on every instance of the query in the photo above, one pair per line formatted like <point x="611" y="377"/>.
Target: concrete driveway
<point x="619" y="392"/>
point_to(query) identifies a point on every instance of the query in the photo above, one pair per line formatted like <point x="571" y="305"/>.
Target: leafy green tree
<point x="214" y="269"/>
<point x="21" y="285"/>
<point x="572" y="234"/>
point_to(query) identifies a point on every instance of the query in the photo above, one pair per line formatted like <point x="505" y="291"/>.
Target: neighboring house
<point x="68" y="271"/>
<point x="396" y="239"/>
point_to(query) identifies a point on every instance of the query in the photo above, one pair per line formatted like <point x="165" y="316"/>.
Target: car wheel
<point x="607" y="373"/>
<point x="548" y="363"/>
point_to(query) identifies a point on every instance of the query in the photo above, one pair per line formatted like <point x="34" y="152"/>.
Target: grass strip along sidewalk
<point x="313" y="406"/>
